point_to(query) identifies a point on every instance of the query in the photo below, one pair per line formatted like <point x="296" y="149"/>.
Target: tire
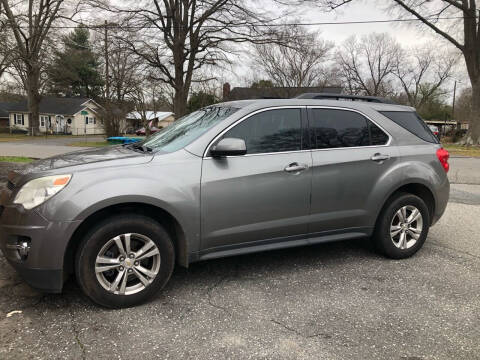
<point x="100" y="285"/>
<point x="390" y="222"/>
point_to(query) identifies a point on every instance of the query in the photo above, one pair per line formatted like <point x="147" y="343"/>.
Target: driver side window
<point x="270" y="131"/>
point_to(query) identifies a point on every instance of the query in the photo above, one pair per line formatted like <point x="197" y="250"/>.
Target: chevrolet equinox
<point x="232" y="178"/>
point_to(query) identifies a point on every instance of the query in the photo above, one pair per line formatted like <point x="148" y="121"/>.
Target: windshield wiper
<point x="138" y="147"/>
<point x="144" y="148"/>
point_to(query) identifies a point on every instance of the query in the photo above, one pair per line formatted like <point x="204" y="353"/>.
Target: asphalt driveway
<point x="330" y="301"/>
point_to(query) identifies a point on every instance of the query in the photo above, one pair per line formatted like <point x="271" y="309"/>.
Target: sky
<point x="364" y="11"/>
<point x="407" y="34"/>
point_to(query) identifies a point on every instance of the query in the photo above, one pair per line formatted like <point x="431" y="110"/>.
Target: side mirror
<point x="229" y="147"/>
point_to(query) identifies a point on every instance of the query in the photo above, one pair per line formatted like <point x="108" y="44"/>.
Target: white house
<point x="77" y="116"/>
<point x="158" y="119"/>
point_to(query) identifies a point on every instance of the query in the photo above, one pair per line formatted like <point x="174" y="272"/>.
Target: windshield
<point x="186" y="129"/>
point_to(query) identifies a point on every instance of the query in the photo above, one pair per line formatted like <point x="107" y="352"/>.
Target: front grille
<point x="10" y="185"/>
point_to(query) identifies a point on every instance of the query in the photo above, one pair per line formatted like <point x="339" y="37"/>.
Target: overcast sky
<point x="363" y="11"/>
<point x="407" y="34"/>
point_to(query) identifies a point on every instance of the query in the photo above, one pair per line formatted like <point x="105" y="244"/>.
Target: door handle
<point x="379" y="157"/>
<point x="296" y="167"/>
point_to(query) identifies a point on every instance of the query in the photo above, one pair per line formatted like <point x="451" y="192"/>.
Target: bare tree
<point x="422" y="73"/>
<point x="179" y="37"/>
<point x="125" y="68"/>
<point x="366" y="66"/>
<point x="141" y="97"/>
<point x="463" y="108"/>
<point x="113" y="115"/>
<point x="30" y="27"/>
<point x="7" y="47"/>
<point x="297" y="59"/>
<point x="464" y="35"/>
<point x="31" y="23"/>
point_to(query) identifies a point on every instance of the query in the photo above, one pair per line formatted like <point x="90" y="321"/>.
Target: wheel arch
<point x="416" y="188"/>
<point x="162" y="216"/>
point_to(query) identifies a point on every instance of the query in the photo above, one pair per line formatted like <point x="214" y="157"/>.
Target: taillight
<point x="443" y="156"/>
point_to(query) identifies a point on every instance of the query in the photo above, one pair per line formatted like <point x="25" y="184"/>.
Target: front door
<point x="264" y="194"/>
<point x="350" y="154"/>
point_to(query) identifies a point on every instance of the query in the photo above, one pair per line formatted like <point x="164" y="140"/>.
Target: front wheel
<point x="402" y="227"/>
<point x="124" y="261"/>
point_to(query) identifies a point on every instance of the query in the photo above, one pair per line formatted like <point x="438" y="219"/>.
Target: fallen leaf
<point x="14" y="312"/>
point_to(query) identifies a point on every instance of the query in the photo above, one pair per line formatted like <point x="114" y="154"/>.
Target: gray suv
<point x="233" y="178"/>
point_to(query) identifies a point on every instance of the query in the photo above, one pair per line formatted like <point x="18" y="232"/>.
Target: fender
<point x="172" y="185"/>
<point x="413" y="172"/>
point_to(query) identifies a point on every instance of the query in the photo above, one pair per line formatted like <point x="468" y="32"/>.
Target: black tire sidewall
<point x="97" y="238"/>
<point x="382" y="237"/>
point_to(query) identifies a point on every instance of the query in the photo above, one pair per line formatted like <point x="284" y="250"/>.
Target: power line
<point x="359" y="22"/>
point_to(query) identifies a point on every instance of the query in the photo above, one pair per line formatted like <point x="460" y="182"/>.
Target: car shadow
<point x="203" y="275"/>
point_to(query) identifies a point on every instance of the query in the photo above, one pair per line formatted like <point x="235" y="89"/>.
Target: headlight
<point x="37" y="191"/>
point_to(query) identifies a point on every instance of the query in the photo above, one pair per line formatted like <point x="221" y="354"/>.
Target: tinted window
<point x="186" y="129"/>
<point x="410" y="121"/>
<point x="378" y="137"/>
<point x="270" y="131"/>
<point x="339" y="128"/>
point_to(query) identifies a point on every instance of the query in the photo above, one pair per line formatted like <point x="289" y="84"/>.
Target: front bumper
<point x="43" y="268"/>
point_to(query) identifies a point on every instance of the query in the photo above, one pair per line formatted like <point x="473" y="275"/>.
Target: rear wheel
<point x="402" y="227"/>
<point x="124" y="261"/>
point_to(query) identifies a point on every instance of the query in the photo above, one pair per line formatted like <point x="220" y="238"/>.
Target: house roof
<point x="246" y="93"/>
<point x="4" y="107"/>
<point x="54" y="105"/>
<point x="150" y="115"/>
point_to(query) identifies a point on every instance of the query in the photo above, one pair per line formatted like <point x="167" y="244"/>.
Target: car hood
<point x="89" y="158"/>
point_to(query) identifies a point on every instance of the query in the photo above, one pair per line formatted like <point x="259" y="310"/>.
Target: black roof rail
<point x="329" y="96"/>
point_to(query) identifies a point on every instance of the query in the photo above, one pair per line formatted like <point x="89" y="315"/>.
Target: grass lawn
<point x="454" y="149"/>
<point x="5" y="137"/>
<point x="16" y="159"/>
<point x="91" y="144"/>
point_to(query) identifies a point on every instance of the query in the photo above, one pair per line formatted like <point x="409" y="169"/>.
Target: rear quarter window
<point x="412" y="122"/>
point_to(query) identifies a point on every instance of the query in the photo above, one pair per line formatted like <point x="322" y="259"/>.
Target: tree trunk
<point x="33" y="99"/>
<point x="180" y="103"/>
<point x="147" y="128"/>
<point x="473" y="134"/>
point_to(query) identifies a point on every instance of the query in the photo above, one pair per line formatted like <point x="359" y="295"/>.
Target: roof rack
<point x="328" y="96"/>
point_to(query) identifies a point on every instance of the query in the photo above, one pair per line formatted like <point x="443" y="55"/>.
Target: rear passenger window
<point x="378" y="137"/>
<point x="270" y="131"/>
<point x="412" y="122"/>
<point x="339" y="128"/>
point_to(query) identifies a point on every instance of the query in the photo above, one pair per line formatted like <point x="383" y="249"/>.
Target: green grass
<point x="463" y="150"/>
<point x="7" y="137"/>
<point x="4" y="137"/>
<point x="91" y="144"/>
<point x="16" y="159"/>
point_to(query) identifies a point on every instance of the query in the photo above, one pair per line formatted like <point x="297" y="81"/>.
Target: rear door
<point x="350" y="153"/>
<point x="264" y="194"/>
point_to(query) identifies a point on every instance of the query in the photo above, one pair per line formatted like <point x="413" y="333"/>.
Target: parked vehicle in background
<point x="232" y="178"/>
<point x="434" y="130"/>
<point x="130" y="130"/>
<point x="142" y="131"/>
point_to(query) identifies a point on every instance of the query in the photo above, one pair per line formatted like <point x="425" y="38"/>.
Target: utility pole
<point x="454" y="96"/>
<point x="107" y="80"/>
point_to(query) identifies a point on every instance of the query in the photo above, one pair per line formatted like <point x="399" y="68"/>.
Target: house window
<point x="89" y="120"/>
<point x="43" y="120"/>
<point x="18" y="119"/>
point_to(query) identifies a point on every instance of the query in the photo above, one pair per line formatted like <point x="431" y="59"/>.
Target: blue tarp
<point x="122" y="140"/>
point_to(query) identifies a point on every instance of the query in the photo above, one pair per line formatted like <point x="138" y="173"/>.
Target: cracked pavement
<point x="329" y="301"/>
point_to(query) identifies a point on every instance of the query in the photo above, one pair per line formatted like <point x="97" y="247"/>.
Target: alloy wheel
<point x="127" y="264"/>
<point x="406" y="227"/>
